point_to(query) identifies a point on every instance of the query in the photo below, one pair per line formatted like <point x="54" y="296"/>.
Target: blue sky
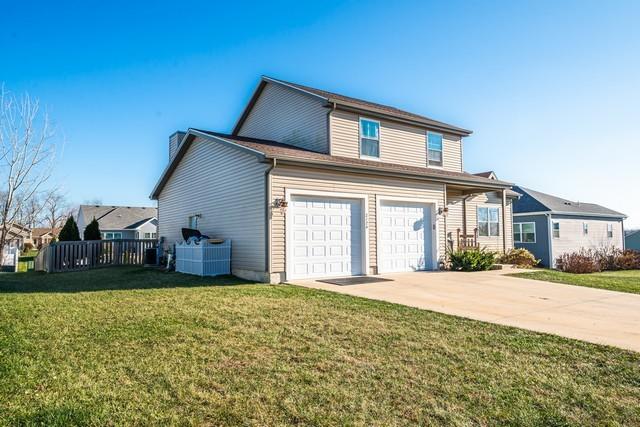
<point x="551" y="89"/>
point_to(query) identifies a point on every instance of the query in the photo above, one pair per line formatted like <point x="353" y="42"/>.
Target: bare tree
<point x="27" y="155"/>
<point x="56" y="209"/>
<point x="32" y="210"/>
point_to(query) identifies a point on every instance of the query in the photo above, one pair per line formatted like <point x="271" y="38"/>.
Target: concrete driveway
<point x="588" y="314"/>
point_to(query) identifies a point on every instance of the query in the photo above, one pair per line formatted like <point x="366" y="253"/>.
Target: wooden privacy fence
<point x="83" y="255"/>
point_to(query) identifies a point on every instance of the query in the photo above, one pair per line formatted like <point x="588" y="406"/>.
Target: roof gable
<point x="348" y="102"/>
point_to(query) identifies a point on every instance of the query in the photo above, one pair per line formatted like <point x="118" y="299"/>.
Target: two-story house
<point x="313" y="184"/>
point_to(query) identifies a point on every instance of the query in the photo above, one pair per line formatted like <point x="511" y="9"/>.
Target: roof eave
<point x="493" y="185"/>
<point x="439" y="126"/>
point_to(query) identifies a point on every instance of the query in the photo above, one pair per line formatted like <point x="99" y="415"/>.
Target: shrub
<point x="628" y="260"/>
<point x="69" y="232"/>
<point x="581" y="262"/>
<point x="606" y="257"/>
<point x="471" y="260"/>
<point x="519" y="257"/>
<point x="92" y="231"/>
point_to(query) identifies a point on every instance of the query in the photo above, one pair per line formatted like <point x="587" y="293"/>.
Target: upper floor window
<point x="610" y="231"/>
<point x="524" y="232"/>
<point x="585" y="228"/>
<point x="369" y="138"/>
<point x="488" y="221"/>
<point x="434" y="149"/>
<point x="556" y="230"/>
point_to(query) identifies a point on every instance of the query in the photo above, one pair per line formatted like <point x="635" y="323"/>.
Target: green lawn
<point x="623" y="281"/>
<point x="130" y="346"/>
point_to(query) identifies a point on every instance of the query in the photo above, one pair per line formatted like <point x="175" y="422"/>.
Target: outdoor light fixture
<point x="443" y="211"/>
<point x="280" y="203"/>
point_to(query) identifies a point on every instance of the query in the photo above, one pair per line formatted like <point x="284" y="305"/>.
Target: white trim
<point x="535" y="233"/>
<point x="435" y="228"/>
<point x="289" y="192"/>
<point x="365" y="157"/>
<point x="550" y="238"/>
<point x="620" y="218"/>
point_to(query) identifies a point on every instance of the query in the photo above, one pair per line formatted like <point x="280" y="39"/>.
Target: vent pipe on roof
<point x="174" y="143"/>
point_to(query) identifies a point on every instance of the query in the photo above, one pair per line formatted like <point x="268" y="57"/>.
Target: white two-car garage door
<point x="405" y="236"/>
<point x="324" y="237"/>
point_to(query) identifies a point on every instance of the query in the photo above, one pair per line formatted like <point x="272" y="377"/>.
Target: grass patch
<point x="622" y="281"/>
<point x="132" y="346"/>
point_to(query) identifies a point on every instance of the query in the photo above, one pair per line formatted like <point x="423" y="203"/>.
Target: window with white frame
<point x="610" y="231"/>
<point x="585" y="228"/>
<point x="112" y="235"/>
<point x="524" y="232"/>
<point x="370" y="138"/>
<point x="556" y="230"/>
<point x="193" y="222"/>
<point x="434" y="149"/>
<point x="488" y="221"/>
<point x="149" y="235"/>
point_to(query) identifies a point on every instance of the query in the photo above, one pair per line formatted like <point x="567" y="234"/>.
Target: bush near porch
<point x="131" y="346"/>
<point x="471" y="259"/>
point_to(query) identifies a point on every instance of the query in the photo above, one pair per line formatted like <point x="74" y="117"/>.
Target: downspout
<point x="504" y="221"/>
<point x="550" y="238"/>
<point x="267" y="216"/>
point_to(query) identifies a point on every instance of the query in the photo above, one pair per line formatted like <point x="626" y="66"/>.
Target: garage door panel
<point x="326" y="237"/>
<point x="405" y="240"/>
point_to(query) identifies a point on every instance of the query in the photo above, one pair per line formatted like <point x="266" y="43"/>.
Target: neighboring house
<point x="42" y="236"/>
<point x="549" y="226"/>
<point x="313" y="184"/>
<point x="120" y="222"/>
<point x="632" y="240"/>
<point x="17" y="236"/>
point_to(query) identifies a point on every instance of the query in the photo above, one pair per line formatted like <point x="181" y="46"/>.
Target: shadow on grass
<point x="109" y="278"/>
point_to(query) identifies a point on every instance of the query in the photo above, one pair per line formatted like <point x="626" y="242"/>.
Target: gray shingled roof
<point x="118" y="217"/>
<point x="535" y="201"/>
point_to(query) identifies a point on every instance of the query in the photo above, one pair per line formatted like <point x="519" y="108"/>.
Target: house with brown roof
<point x="313" y="184"/>
<point x="42" y="236"/>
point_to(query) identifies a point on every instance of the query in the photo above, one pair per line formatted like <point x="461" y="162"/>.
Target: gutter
<point x="267" y="216"/>
<point x="399" y="174"/>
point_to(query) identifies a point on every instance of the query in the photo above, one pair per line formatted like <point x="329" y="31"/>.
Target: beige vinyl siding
<point x="455" y="221"/>
<point x="288" y="116"/>
<point x="289" y="177"/>
<point x="452" y="153"/>
<point x="226" y="187"/>
<point x="572" y="237"/>
<point x="399" y="143"/>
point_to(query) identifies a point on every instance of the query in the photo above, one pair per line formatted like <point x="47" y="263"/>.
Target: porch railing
<point x="468" y="241"/>
<point x="87" y="254"/>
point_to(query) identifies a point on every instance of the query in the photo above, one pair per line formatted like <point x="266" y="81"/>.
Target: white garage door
<point x="325" y="237"/>
<point x="405" y="237"/>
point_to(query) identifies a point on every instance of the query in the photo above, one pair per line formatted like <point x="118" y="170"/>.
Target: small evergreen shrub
<point x="471" y="260"/>
<point x="581" y="262"/>
<point x="519" y="257"/>
<point x="92" y="231"/>
<point x="69" y="232"/>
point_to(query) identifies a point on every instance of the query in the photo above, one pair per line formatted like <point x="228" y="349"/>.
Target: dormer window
<point x="434" y="149"/>
<point x="369" y="138"/>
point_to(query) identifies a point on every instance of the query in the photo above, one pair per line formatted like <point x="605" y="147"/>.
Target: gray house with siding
<point x="313" y="184"/>
<point x="120" y="222"/>
<point x="549" y="226"/>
